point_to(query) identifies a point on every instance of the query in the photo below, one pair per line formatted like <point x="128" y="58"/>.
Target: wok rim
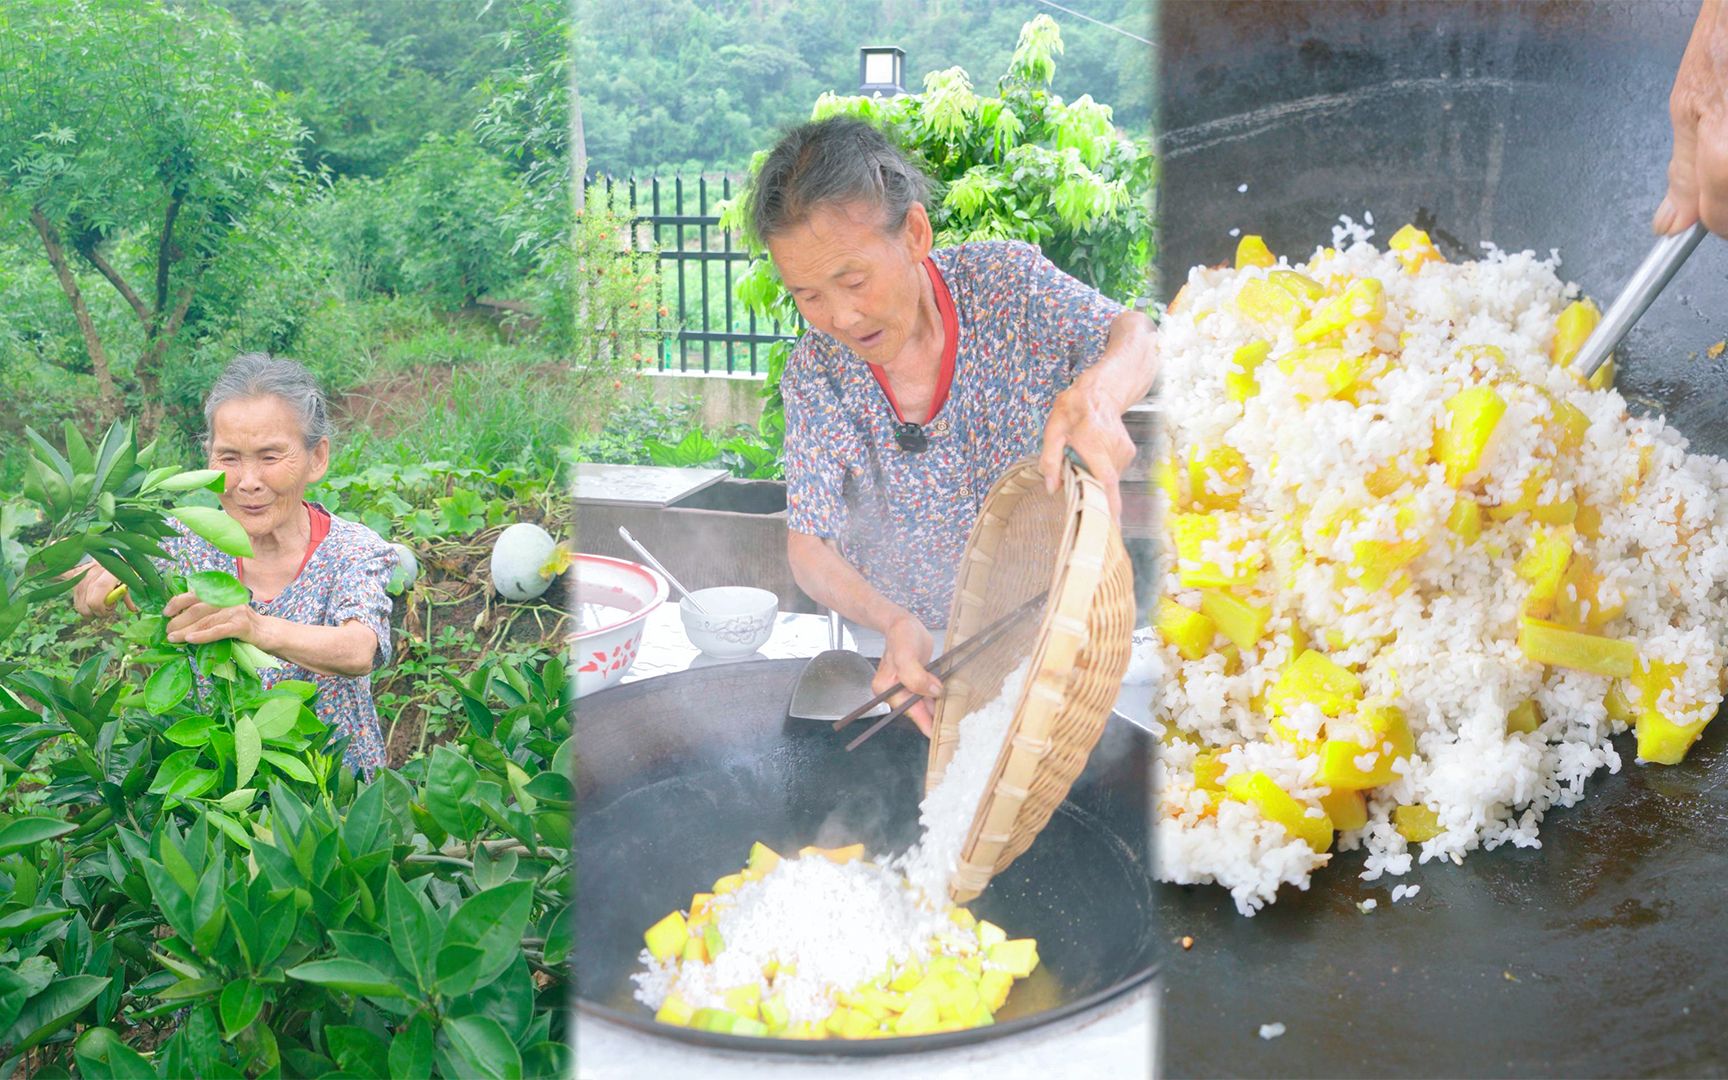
<point x="884" y="1047"/>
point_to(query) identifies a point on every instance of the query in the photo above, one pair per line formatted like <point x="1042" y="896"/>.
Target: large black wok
<point x="1531" y="125"/>
<point x="677" y="775"/>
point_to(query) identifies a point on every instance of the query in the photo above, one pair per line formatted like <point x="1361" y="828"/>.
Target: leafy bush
<point x="450" y="198"/>
<point x="197" y="871"/>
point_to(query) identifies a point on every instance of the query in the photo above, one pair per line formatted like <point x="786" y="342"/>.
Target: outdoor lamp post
<point x="880" y="70"/>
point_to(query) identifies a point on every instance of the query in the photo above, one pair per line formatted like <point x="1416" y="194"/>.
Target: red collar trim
<point x="950" y="348"/>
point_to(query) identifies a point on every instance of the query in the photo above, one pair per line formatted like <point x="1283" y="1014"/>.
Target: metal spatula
<point x="833" y="682"/>
<point x="1646" y="282"/>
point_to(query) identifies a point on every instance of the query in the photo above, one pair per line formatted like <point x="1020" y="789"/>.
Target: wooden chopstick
<point x="945" y="665"/>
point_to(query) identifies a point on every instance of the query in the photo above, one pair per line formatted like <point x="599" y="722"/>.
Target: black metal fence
<point x="714" y="333"/>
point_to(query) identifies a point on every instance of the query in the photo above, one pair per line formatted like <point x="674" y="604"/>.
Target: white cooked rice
<point x="836" y="927"/>
<point x="1451" y="661"/>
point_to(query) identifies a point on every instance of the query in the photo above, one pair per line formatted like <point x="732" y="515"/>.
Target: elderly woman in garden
<point x="925" y="374"/>
<point x="317" y="581"/>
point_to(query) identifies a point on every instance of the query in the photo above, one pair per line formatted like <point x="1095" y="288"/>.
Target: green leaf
<point x="223" y="532"/>
<point x="411" y="1050"/>
<point x="412" y="933"/>
<point x="482" y="1045"/>
<point x="168" y="686"/>
<point x="359" y="1052"/>
<point x="53" y="1009"/>
<point x="219" y="589"/>
<point x="102" y="1055"/>
<point x="24" y="832"/>
<point x="300" y="688"/>
<point x="192" y="480"/>
<point x="275" y="718"/>
<point x="459" y="969"/>
<point x="450" y="783"/>
<point x="25" y="920"/>
<point x="193" y="732"/>
<point x="494" y="922"/>
<point x="247" y="746"/>
<point x="254" y="659"/>
<point x="349" y="976"/>
<point x="234" y="830"/>
<point x="289" y="765"/>
<point x="238" y="799"/>
<point x="242" y="1000"/>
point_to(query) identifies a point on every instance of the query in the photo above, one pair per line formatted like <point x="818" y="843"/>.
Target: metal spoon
<point x="655" y="563"/>
<point x="1648" y="280"/>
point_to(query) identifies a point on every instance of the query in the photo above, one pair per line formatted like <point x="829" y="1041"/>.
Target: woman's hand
<point x="94" y="597"/>
<point x="1698" y="109"/>
<point x="193" y="622"/>
<point x="907" y="647"/>
<point x="1088" y="418"/>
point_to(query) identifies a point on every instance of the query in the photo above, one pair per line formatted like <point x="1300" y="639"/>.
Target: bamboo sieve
<point x="1024" y="541"/>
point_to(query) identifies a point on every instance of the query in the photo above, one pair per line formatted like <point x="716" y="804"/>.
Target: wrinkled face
<point x="257" y="443"/>
<point x="852" y="280"/>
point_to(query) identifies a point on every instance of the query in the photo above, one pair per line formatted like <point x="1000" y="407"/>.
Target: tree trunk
<point x="578" y="145"/>
<point x="108" y="398"/>
<point x="149" y="384"/>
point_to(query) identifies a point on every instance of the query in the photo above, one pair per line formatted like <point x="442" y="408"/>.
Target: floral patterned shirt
<point x="1025" y="329"/>
<point x="345" y="579"/>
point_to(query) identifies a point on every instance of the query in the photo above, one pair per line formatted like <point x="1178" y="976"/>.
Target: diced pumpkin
<point x="1376" y="561"/>
<point x="1549" y="643"/>
<point x="745" y="1000"/>
<point x="1239" y="381"/>
<point x="1242" y="622"/>
<point x="1588" y="521"/>
<point x="1465" y="518"/>
<point x="962" y="918"/>
<point x="1169" y="480"/>
<point x="712" y="943"/>
<point x="1347" y="809"/>
<point x="762" y="858"/>
<point x="920" y="1017"/>
<point x="676" y="1011"/>
<point x="1017" y="956"/>
<point x="1386" y="479"/>
<point x="1208" y="771"/>
<point x="1604" y="377"/>
<point x="776" y="1014"/>
<point x="1416" y="823"/>
<point x="1572" y="426"/>
<point x="1216" y="477"/>
<point x="696" y="951"/>
<point x="1191" y="532"/>
<point x="1278" y="806"/>
<point x="1188" y="631"/>
<point x="666" y="938"/>
<point x="1413" y="248"/>
<point x="1544" y="564"/>
<point x="1571" y="330"/>
<point x="1525" y="718"/>
<point x="1471" y="415"/>
<point x="1663" y="742"/>
<point x="728" y="884"/>
<point x="1619" y="706"/>
<point x="1384" y="733"/>
<point x="993" y="987"/>
<point x="1314" y="678"/>
<point x="699" y="904"/>
<point x="1363" y="300"/>
<point x="849" y="853"/>
<point x="1251" y="250"/>
<point x="990" y="934"/>
<point x="1265" y="302"/>
<point x="1301" y="286"/>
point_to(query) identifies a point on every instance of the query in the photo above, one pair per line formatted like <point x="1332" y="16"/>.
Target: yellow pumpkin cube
<point x="1017" y="956"/>
<point x="1363" y="300"/>
<point x="1571" y="330"/>
<point x="1663" y="742"/>
<point x="1471" y="416"/>
<point x="1416" y="823"/>
<point x="1347" y="809"/>
<point x="1549" y="643"/>
<point x="1414" y="248"/>
<point x="676" y="1011"/>
<point x="1242" y="622"/>
<point x="666" y="938"/>
<point x="1251" y="250"/>
<point x="1314" y="678"/>
<point x="1265" y="303"/>
<point x="1277" y="806"/>
<point x="1188" y="631"/>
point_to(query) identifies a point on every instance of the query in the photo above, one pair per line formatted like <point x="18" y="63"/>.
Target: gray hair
<point x="256" y="374"/>
<point x="831" y="162"/>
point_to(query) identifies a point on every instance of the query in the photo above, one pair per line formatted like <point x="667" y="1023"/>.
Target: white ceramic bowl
<point x="739" y="620"/>
<point x="624" y="593"/>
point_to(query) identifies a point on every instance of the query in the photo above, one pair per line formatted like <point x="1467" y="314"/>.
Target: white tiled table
<point x="1118" y="1040"/>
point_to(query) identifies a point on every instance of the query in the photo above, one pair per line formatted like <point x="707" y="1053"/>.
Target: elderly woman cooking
<point x="924" y="376"/>
<point x="317" y="581"/>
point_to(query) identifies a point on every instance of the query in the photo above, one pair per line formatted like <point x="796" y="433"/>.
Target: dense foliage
<point x="692" y="85"/>
<point x="375" y="187"/>
<point x="194" y="885"/>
